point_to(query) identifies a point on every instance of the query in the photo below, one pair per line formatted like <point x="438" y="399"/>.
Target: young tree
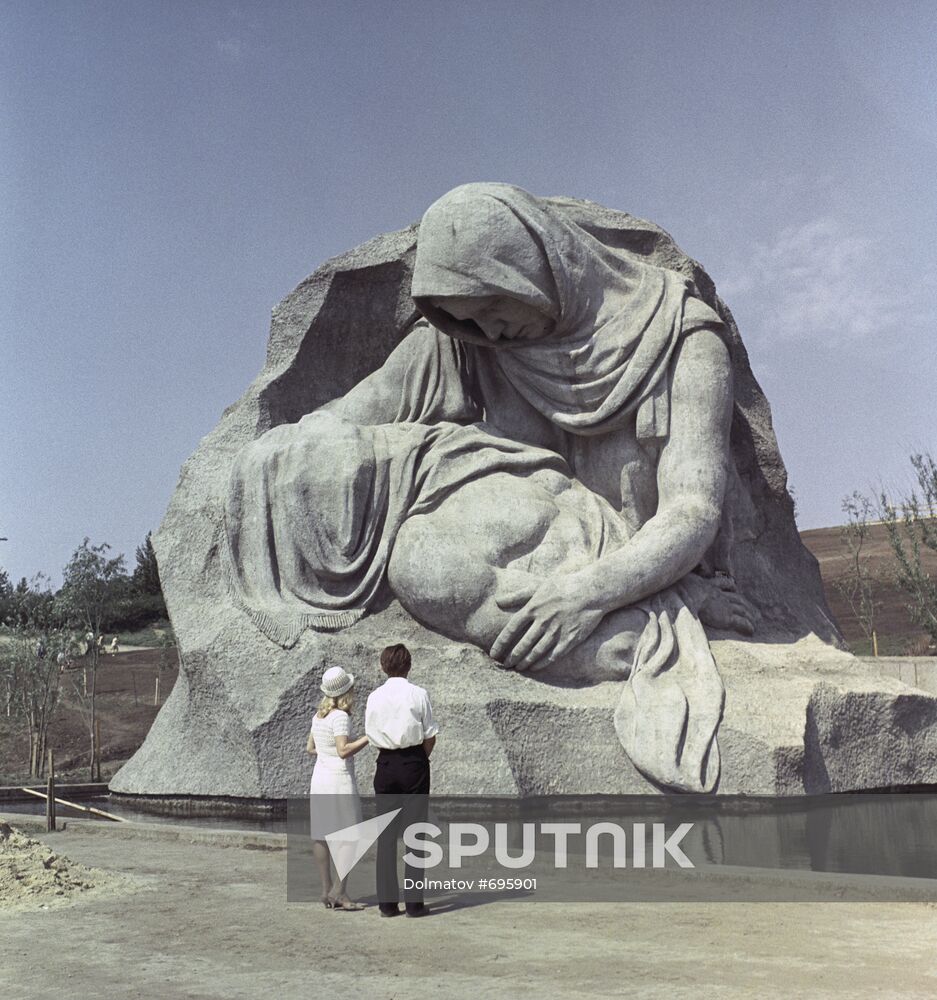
<point x="146" y="574"/>
<point x="29" y="666"/>
<point x="145" y="604"/>
<point x="31" y="604"/>
<point x="6" y="597"/>
<point x="34" y="674"/>
<point x="858" y="584"/>
<point x="94" y="588"/>
<point x="912" y="531"/>
<point x="8" y="620"/>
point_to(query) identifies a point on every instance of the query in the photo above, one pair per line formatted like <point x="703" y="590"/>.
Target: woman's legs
<point x="334" y="806"/>
<point x="320" y="851"/>
<point x="342" y="853"/>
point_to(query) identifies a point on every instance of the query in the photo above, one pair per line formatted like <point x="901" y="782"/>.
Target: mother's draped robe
<point x="570" y="392"/>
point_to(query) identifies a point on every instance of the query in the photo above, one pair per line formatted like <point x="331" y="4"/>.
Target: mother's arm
<point x="691" y="478"/>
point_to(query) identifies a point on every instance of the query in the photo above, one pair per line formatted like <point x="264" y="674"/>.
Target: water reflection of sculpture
<point x="537" y="469"/>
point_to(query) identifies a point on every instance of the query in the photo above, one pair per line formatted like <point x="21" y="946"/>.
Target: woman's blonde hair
<point x="343" y="702"/>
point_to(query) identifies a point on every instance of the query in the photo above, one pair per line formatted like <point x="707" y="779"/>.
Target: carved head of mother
<point x="492" y="265"/>
<point x="583" y="331"/>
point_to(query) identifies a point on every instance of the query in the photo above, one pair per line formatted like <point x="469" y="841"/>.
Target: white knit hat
<point x="335" y="682"/>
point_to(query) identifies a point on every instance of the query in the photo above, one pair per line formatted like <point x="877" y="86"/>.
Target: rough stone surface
<point x="800" y="717"/>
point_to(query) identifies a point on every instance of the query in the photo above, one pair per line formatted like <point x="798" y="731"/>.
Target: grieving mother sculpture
<point x="525" y="435"/>
<point x="539" y="468"/>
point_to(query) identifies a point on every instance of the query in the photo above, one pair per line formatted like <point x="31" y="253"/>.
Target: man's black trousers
<point x="402" y="777"/>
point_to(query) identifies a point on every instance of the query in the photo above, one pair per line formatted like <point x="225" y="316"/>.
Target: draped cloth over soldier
<point x="356" y="485"/>
<point x="314" y="508"/>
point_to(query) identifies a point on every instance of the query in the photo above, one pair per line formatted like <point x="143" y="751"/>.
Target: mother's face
<point x="498" y="317"/>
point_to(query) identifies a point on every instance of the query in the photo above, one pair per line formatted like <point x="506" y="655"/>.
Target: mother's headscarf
<point x="483" y="240"/>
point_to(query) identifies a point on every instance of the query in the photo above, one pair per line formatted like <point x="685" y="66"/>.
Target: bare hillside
<point x="896" y="633"/>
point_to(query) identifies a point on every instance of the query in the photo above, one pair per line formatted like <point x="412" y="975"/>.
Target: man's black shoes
<point x="413" y="910"/>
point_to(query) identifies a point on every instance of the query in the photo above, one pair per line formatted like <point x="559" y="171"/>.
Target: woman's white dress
<point x="334" y="802"/>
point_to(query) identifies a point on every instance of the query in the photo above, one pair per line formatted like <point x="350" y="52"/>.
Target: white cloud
<point x="823" y="279"/>
<point x="230" y="48"/>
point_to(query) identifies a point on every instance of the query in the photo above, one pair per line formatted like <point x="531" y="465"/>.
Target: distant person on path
<point x="399" y="722"/>
<point x="334" y="802"/>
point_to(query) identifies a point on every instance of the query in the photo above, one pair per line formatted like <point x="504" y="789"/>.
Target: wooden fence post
<point x="50" y="795"/>
<point x="156" y="695"/>
<point x="874" y="643"/>
<point x="97" y="749"/>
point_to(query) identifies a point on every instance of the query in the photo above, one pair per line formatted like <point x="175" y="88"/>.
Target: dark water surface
<point x="876" y="834"/>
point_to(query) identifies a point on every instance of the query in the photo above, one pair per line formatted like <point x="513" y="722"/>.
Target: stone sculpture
<point x="526" y="436"/>
<point x="542" y="460"/>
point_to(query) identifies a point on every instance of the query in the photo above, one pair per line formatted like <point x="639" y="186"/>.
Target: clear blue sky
<point x="170" y="170"/>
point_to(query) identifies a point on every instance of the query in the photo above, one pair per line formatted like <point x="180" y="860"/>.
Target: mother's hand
<point x="550" y="620"/>
<point x="719" y="604"/>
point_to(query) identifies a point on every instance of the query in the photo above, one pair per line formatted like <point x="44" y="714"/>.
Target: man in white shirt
<point x="399" y="721"/>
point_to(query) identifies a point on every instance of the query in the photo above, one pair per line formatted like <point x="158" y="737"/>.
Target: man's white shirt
<point x="398" y="714"/>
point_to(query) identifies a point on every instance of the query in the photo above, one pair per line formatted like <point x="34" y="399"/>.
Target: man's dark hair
<point x="395" y="660"/>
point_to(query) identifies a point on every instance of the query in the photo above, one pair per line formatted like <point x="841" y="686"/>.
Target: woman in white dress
<point x="334" y="803"/>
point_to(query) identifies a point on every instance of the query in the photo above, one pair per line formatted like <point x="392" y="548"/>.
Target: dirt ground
<point x="212" y="922"/>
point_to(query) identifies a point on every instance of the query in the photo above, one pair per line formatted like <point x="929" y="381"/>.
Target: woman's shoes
<point x="345" y="904"/>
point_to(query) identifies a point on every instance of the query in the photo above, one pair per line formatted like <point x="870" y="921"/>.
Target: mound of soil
<point x="32" y="874"/>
